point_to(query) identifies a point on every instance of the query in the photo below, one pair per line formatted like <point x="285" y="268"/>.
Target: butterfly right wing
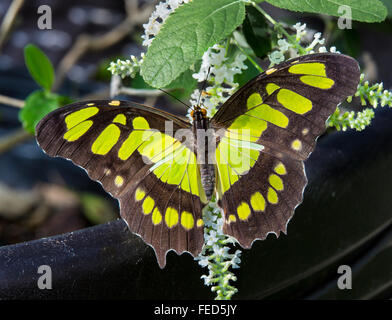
<point x="154" y="176"/>
<point x="270" y="127"/>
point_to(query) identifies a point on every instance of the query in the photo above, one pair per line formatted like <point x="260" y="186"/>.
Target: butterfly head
<point x="198" y="113"/>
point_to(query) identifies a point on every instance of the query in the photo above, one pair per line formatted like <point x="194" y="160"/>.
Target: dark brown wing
<point x="124" y="146"/>
<point x="282" y="111"/>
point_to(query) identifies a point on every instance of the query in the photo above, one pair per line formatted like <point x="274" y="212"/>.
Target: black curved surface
<point x="345" y="219"/>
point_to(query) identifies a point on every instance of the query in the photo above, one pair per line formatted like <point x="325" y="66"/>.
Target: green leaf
<point x="37" y="105"/>
<point x="388" y="4"/>
<point x="186" y="34"/>
<point x="183" y="85"/>
<point x="247" y="74"/>
<point x="256" y="32"/>
<point x="362" y="10"/>
<point x="39" y="66"/>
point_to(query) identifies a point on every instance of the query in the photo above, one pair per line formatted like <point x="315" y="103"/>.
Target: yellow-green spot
<point x="156" y="216"/>
<point x="272" y="196"/>
<point x="254" y="100"/>
<point x="276" y="182"/>
<point x="269" y="114"/>
<point x="253" y="127"/>
<point x="114" y="103"/>
<point x="200" y="223"/>
<point x="318" y="82"/>
<point x="271" y="70"/>
<point x="313" y="68"/>
<point x="120" y="118"/>
<point x="243" y="211"/>
<point x="294" y="101"/>
<point x="106" y="140"/>
<point x="296" y="145"/>
<point x="148" y="205"/>
<point x="140" y="123"/>
<point x="77" y="131"/>
<point x="192" y="181"/>
<point x="187" y="220"/>
<point x="234" y="158"/>
<point x="118" y="181"/>
<point x="280" y="169"/>
<point x="134" y="140"/>
<point x="257" y="202"/>
<point x="232" y="218"/>
<point x="271" y="88"/>
<point x="79" y="116"/>
<point x="171" y="217"/>
<point x="139" y="194"/>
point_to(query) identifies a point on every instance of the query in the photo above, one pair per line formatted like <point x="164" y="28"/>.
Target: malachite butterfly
<point x="147" y="159"/>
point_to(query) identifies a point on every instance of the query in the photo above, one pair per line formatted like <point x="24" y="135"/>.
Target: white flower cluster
<point x="158" y="17"/>
<point x="216" y="255"/>
<point x="284" y="47"/>
<point x="220" y="74"/>
<point x="375" y="93"/>
<point x="126" y="68"/>
<point x="351" y="119"/>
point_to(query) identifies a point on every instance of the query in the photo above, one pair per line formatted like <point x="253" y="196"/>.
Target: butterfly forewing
<point x="282" y="111"/>
<point x="154" y="176"/>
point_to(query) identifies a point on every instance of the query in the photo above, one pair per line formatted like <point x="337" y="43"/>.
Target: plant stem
<point x="11" y="101"/>
<point x="256" y="65"/>
<point x="280" y="29"/>
<point x="13" y="139"/>
<point x="9" y="20"/>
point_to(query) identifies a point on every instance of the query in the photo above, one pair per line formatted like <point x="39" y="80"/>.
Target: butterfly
<point x="164" y="171"/>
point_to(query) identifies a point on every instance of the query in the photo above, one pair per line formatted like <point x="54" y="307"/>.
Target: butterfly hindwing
<point x="154" y="176"/>
<point x="274" y="121"/>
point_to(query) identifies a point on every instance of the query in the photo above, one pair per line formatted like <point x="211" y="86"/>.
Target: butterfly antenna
<point x="204" y="85"/>
<point x="169" y="94"/>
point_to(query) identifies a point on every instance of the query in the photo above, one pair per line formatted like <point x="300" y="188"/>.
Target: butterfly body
<point x="249" y="154"/>
<point x="205" y="144"/>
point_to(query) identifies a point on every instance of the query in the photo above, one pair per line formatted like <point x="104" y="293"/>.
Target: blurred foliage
<point x="96" y="208"/>
<point x="257" y="32"/>
<point x="39" y="103"/>
<point x="39" y="66"/>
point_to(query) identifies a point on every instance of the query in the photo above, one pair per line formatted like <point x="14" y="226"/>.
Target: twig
<point x="86" y="42"/>
<point x="11" y="101"/>
<point x="140" y="92"/>
<point x="116" y="88"/>
<point x="9" y="19"/>
<point x="14" y="138"/>
<point x="100" y="94"/>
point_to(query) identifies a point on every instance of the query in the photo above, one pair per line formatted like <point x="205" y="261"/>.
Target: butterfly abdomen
<point x="205" y="144"/>
<point x="207" y="172"/>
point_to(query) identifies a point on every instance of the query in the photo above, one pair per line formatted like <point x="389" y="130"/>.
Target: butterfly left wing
<point x="269" y="127"/>
<point x="127" y="148"/>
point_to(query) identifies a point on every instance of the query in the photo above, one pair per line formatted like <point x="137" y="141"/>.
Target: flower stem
<point x="280" y="29"/>
<point x="252" y="61"/>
